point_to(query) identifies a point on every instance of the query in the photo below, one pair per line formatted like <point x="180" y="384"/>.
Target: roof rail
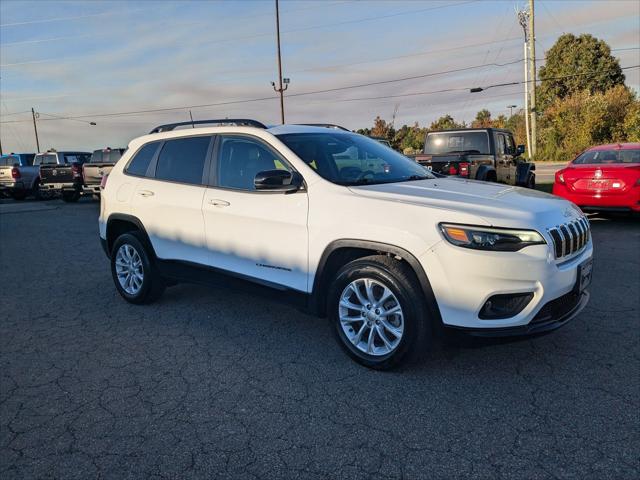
<point x="223" y="121"/>
<point x="325" y="125"/>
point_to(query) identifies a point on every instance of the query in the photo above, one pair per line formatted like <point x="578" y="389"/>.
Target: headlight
<point x="484" y="238"/>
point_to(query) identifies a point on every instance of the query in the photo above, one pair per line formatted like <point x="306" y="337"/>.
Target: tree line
<point x="574" y="111"/>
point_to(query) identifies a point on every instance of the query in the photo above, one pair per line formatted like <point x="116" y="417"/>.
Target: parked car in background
<point x="18" y="176"/>
<point x="385" y="249"/>
<point x="606" y="177"/>
<point x="61" y="172"/>
<point x="101" y="163"/>
<point x="488" y="154"/>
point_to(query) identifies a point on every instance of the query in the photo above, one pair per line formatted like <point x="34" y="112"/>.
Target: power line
<point x="234" y="102"/>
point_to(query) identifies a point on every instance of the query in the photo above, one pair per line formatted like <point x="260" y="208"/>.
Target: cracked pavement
<point x="214" y="383"/>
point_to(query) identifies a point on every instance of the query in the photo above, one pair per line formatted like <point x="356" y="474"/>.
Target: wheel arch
<point x="339" y="252"/>
<point x="120" y="223"/>
<point x="486" y="171"/>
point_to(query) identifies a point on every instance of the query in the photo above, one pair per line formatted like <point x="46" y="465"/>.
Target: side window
<point x="140" y="162"/>
<point x="182" y="160"/>
<point x="500" y="144"/>
<point x="241" y="158"/>
<point x="511" y="149"/>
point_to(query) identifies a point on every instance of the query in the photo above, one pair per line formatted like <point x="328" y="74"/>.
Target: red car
<point x="606" y="177"/>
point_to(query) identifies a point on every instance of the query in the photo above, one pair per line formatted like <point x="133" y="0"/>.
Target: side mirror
<point x="277" y="181"/>
<point x="519" y="150"/>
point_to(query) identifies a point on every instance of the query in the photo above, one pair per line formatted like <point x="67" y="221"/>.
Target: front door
<point x="258" y="234"/>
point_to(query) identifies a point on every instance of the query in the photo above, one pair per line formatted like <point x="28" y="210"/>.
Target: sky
<point x="92" y="59"/>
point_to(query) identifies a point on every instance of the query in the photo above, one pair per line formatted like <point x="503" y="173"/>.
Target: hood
<point x="498" y="205"/>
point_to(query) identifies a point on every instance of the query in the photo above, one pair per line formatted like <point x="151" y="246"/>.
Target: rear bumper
<point x="629" y="200"/>
<point x="91" y="189"/>
<point x="11" y="186"/>
<point x="60" y="186"/>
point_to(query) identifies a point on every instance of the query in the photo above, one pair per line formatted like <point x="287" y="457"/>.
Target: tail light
<point x="453" y="170"/>
<point x="76" y="170"/>
<point x="464" y="169"/>
<point x="560" y="177"/>
<point x="15" y="172"/>
<point x="103" y="182"/>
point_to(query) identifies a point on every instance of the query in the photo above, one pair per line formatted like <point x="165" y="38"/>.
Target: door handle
<point x="146" y="193"/>
<point x="218" y="203"/>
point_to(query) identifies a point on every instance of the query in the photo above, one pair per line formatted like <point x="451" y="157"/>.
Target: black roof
<point x="479" y="129"/>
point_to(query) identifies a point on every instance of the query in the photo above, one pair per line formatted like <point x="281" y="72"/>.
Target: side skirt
<point x="187" y="272"/>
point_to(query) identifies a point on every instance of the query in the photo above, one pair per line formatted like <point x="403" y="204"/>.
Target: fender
<point x="318" y="294"/>
<point x="522" y="172"/>
<point x="130" y="219"/>
<point x="483" y="171"/>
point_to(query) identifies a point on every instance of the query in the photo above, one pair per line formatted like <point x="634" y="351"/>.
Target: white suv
<point x="369" y="238"/>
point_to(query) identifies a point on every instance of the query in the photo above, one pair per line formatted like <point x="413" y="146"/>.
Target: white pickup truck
<point x="371" y="239"/>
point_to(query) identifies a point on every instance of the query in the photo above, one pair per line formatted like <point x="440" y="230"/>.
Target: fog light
<point x="504" y="305"/>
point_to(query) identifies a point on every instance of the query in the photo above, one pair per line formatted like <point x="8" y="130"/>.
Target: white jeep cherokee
<point x="385" y="249"/>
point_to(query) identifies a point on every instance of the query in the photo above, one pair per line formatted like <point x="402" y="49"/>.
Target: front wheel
<point x="378" y="312"/>
<point x="70" y="196"/>
<point x="133" y="270"/>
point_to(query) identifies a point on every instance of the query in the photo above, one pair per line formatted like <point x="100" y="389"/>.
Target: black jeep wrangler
<point x="488" y="154"/>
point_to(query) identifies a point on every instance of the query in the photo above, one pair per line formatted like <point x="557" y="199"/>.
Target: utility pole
<point x="280" y="89"/>
<point x="523" y="19"/>
<point x="511" y="107"/>
<point x="35" y="129"/>
<point x="532" y="95"/>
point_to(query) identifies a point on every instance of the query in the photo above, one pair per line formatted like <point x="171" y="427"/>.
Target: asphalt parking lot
<point x="214" y="383"/>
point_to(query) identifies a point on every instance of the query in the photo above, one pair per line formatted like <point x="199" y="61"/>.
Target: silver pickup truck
<point x="18" y="176"/>
<point x="101" y="163"/>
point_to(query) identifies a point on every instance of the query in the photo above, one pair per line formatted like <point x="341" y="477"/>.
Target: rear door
<point x="169" y="201"/>
<point x="258" y="234"/>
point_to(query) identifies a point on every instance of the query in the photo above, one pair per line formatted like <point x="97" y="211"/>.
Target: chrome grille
<point x="570" y="237"/>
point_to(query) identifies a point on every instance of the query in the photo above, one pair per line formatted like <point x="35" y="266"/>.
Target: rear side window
<point x="182" y="160"/>
<point x="140" y="162"/>
<point x="9" y="161"/>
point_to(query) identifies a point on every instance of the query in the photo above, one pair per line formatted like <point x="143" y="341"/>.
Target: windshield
<point x="46" y="158"/>
<point x="455" y="142"/>
<point x="604" y="157"/>
<point x="9" y="161"/>
<point x="352" y="159"/>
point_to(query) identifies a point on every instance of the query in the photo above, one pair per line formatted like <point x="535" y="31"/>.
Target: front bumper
<point x="551" y="317"/>
<point x="463" y="280"/>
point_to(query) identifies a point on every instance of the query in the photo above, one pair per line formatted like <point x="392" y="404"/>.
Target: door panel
<point x="172" y="216"/>
<point x="260" y="235"/>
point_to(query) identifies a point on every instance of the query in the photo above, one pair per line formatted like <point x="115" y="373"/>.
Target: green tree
<point x="483" y="119"/>
<point x="446" y="122"/>
<point x="584" y="119"/>
<point x="570" y="57"/>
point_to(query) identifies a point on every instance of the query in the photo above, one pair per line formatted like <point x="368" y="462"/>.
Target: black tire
<point x="19" y="195"/>
<point x="36" y="192"/>
<point x="70" y="196"/>
<point x="153" y="284"/>
<point x="531" y="181"/>
<point x="403" y="283"/>
<point x="95" y="196"/>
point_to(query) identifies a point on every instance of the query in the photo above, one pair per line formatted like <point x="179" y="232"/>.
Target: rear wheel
<point x="70" y="196"/>
<point x="531" y="181"/>
<point x="19" y="194"/>
<point x="378" y="312"/>
<point x="133" y="269"/>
